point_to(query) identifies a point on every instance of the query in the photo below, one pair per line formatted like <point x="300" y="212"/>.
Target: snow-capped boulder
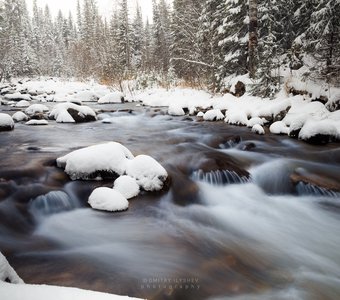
<point x="23" y="103"/>
<point x="149" y="174"/>
<point x="6" y="122"/>
<point x="213" y="115"/>
<point x="107" y="199"/>
<point x="320" y="132"/>
<point x="87" y="96"/>
<point x="35" y="109"/>
<point x="176" y="110"/>
<point x="257" y="128"/>
<point x="255" y="121"/>
<point x="71" y="113"/>
<point x="7" y="272"/>
<point x="19" y="116"/>
<point x="37" y="122"/>
<point x="127" y="186"/>
<point x="236" y="117"/>
<point x="108" y="159"/>
<point x="279" y="127"/>
<point x="17" y="97"/>
<point x="115" y="97"/>
<point x="200" y="114"/>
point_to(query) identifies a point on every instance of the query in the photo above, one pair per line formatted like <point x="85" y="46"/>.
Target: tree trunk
<point x="252" y="38"/>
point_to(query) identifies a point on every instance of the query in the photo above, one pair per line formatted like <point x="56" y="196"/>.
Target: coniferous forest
<point x="196" y="43"/>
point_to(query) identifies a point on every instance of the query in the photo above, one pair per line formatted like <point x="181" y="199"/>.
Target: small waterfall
<point x="52" y="203"/>
<point x="307" y="189"/>
<point x="219" y="177"/>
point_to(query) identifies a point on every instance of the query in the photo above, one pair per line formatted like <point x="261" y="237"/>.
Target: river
<point x="232" y="225"/>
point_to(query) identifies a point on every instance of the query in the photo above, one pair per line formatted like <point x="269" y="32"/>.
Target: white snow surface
<point x="323" y="127"/>
<point x="149" y="174"/>
<point x="107" y="199"/>
<point x="279" y="127"/>
<point x="17" y="96"/>
<point x="114" y="97"/>
<point x="257" y="128"/>
<point x="127" y="186"/>
<point x="36" y="108"/>
<point x="213" y="115"/>
<point x="19" y="116"/>
<point x="61" y="115"/>
<point x="111" y="157"/>
<point x="23" y="103"/>
<point x="6" y="120"/>
<point x="175" y="110"/>
<point x="43" y="292"/>
<point x="37" y="122"/>
<point x="7" y="272"/>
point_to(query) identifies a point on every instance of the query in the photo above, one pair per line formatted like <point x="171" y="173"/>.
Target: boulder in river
<point x="6" y="122"/>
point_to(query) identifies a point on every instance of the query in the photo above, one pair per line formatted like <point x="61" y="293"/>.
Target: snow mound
<point x="255" y="121"/>
<point x="115" y="97"/>
<point x="236" y="117"/>
<point x="176" y="110"/>
<point x="149" y="174"/>
<point x="36" y="108"/>
<point x="87" y="96"/>
<point x="37" y="122"/>
<point x="200" y="114"/>
<point x="323" y="127"/>
<point x="127" y="186"/>
<point x="19" y="116"/>
<point x="111" y="157"/>
<point x="17" y="97"/>
<point x="213" y="115"/>
<point x="279" y="127"/>
<point x="7" y="272"/>
<point x="107" y="199"/>
<point x="257" y="128"/>
<point x="23" y="103"/>
<point x="6" y="122"/>
<point x="61" y="113"/>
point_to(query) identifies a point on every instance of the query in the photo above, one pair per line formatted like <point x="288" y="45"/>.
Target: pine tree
<point x="137" y="39"/>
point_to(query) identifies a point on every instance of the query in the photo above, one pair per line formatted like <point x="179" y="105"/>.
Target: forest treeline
<point x="194" y="42"/>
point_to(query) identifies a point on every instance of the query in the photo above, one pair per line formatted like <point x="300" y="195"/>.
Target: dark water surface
<point x="233" y="225"/>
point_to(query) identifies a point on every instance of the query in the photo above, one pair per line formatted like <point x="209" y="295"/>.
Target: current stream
<point x="232" y="225"/>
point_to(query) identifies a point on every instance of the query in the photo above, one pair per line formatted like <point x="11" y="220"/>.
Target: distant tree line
<point x="193" y="42"/>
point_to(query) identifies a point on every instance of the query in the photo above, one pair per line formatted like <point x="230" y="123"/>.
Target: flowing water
<point x="232" y="225"/>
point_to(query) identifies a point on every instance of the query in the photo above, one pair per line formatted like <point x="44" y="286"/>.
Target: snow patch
<point x="127" y="186"/>
<point x="23" y="103"/>
<point x="279" y="127"/>
<point x="37" y="122"/>
<point x="19" y="116"/>
<point x="7" y="272"/>
<point x="107" y="199"/>
<point x="115" y="97"/>
<point x="213" y="115"/>
<point x="36" y="108"/>
<point x="6" y="121"/>
<point x="257" y="128"/>
<point x="176" y="110"/>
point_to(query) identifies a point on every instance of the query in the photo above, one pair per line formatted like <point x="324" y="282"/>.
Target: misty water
<point x="232" y="225"/>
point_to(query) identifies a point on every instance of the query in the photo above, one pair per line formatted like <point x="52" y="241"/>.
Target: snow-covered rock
<point x="17" y="97"/>
<point x="200" y="114"/>
<point x="255" y="121"/>
<point x="7" y="272"/>
<point x="71" y="113"/>
<point x="87" y="96"/>
<point x="127" y="186"/>
<point x="115" y="97"/>
<point x="107" y="199"/>
<point x="213" y="115"/>
<point x="149" y="174"/>
<point x="320" y="131"/>
<point x="176" y="110"/>
<point x="279" y="127"/>
<point x="6" y="122"/>
<point x="34" y="122"/>
<point x="236" y="117"/>
<point x="19" y="116"/>
<point x="257" y="128"/>
<point x="84" y="163"/>
<point x="36" y="108"/>
<point x="23" y="103"/>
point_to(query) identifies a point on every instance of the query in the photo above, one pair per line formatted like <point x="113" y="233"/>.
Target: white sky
<point x="105" y="6"/>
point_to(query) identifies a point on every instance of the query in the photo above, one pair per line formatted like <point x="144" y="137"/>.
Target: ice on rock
<point x="115" y="97"/>
<point x="111" y="157"/>
<point x="107" y="199"/>
<point x="149" y="174"/>
<point x="127" y="186"/>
